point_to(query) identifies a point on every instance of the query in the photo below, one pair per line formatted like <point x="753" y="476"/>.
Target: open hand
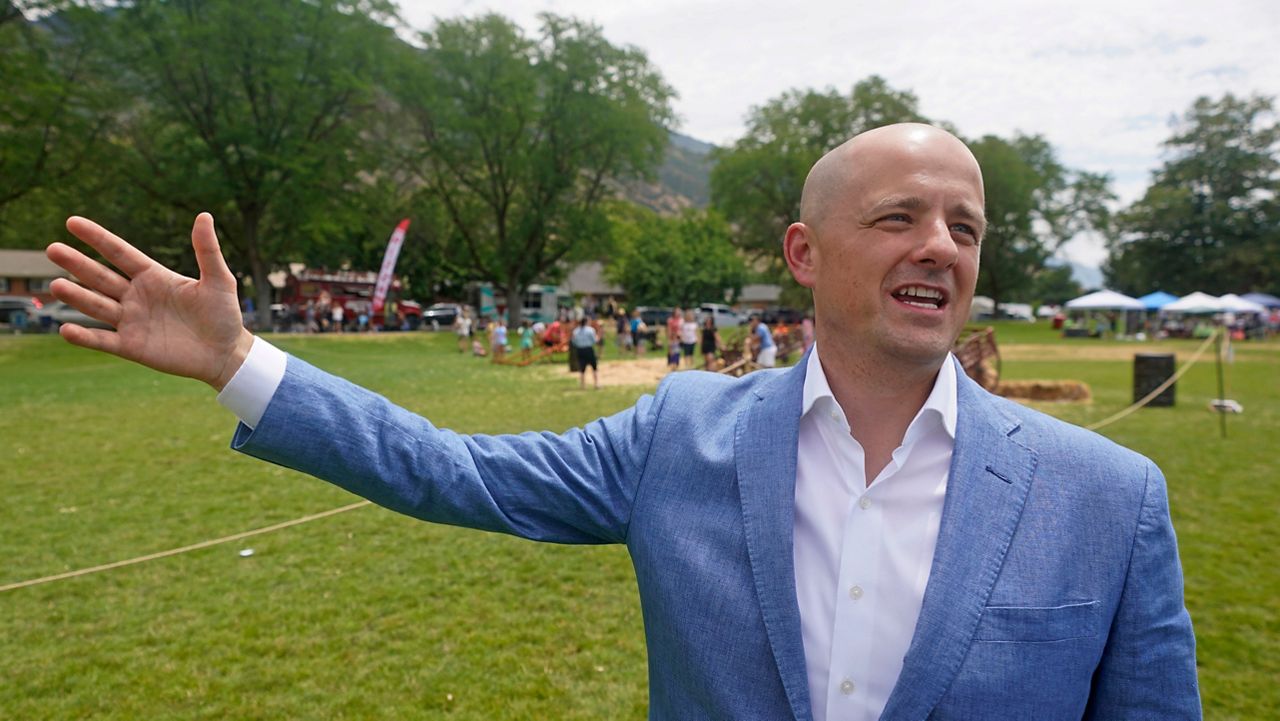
<point x="162" y="320"/>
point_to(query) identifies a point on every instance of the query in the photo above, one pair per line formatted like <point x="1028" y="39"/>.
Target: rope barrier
<point x="1159" y="389"/>
<point x="335" y="511"/>
<point x="184" y="549"/>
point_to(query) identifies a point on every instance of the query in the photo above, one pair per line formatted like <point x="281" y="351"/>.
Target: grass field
<point x="373" y="615"/>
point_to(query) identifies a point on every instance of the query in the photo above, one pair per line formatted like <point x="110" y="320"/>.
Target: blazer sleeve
<point x="574" y="487"/>
<point x="1148" y="668"/>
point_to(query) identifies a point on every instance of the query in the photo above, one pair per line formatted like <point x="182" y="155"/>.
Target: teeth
<point x="930" y="306"/>
<point x="920" y="292"/>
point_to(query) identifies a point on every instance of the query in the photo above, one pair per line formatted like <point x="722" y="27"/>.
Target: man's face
<point x="893" y="258"/>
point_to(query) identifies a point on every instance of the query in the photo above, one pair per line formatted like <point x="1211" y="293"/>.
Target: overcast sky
<point x="1100" y="80"/>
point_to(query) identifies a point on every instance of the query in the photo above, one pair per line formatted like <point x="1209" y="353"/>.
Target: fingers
<point x="115" y="249"/>
<point x="89" y="271"/>
<point x="107" y="341"/>
<point x="86" y="301"/>
<point x="213" y="267"/>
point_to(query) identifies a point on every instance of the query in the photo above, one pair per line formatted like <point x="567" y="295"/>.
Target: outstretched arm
<point x="162" y="320"/>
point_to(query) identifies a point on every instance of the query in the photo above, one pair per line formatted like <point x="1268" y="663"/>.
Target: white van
<point x="723" y="314"/>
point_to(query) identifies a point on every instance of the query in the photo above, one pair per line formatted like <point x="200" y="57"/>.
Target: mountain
<point x="683" y="180"/>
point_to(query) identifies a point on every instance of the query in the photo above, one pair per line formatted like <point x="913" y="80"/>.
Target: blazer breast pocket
<point x="1038" y="624"/>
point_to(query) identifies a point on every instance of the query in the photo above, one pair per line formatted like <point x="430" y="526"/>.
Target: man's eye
<point x="897" y="218"/>
<point x="966" y="229"/>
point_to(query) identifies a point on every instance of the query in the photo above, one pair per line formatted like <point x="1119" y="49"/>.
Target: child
<point x="673" y="352"/>
<point x="526" y="340"/>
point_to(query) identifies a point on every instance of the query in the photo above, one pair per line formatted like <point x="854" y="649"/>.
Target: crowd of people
<point x="583" y="334"/>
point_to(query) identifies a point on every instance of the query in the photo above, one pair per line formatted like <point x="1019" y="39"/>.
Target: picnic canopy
<point x="1105" y="300"/>
<point x="1263" y="299"/>
<point x="1157" y="300"/>
<point x="1233" y="303"/>
<point x="1196" y="302"/>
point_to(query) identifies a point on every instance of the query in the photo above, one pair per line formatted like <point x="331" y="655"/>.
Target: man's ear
<point x="798" y="247"/>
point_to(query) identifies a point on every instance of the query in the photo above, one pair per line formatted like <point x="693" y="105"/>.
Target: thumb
<point x="213" y="267"/>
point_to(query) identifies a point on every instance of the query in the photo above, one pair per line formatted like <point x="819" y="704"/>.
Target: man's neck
<point x="879" y="398"/>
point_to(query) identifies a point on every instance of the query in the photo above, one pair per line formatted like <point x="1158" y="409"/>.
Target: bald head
<point x="840" y="175"/>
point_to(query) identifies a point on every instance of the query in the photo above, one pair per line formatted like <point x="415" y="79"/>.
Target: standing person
<point x="766" y="351"/>
<point x="624" y="332"/>
<point x="339" y="316"/>
<point x="526" y="340"/>
<point x="638" y="331"/>
<point x="583" y="341"/>
<point x="688" y="337"/>
<point x="710" y="342"/>
<point x="673" y="326"/>
<point x="498" y="343"/>
<point x="868" y="534"/>
<point x="462" y="329"/>
<point x="673" y="352"/>
<point x="806" y="330"/>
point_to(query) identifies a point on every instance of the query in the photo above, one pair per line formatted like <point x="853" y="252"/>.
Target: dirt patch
<point x="643" y="372"/>
<point x="1064" y="352"/>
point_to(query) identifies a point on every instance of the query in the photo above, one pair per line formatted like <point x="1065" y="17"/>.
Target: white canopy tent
<point x="1105" y="300"/>
<point x="1233" y="303"/>
<point x="1196" y="302"/>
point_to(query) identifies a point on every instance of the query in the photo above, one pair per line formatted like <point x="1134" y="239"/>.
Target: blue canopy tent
<point x="1265" y="299"/>
<point x="1157" y="300"/>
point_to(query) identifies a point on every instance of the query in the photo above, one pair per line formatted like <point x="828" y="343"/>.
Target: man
<point x="583" y="341"/>
<point x="766" y="351"/>
<point x="865" y="535"/>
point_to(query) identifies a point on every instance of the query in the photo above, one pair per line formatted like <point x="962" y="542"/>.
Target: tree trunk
<point x="258" y="270"/>
<point x="514" y="291"/>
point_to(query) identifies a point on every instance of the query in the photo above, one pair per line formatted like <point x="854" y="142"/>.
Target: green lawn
<point x="373" y="615"/>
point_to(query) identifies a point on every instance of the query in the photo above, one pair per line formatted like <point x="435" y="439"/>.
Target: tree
<point x="252" y="110"/>
<point x="1054" y="285"/>
<point x="668" y="261"/>
<point x="756" y="182"/>
<point x="54" y="108"/>
<point x="1210" y="220"/>
<point x="520" y="137"/>
<point x="1033" y="205"/>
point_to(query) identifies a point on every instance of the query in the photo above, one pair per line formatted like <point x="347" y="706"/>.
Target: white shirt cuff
<point x="249" y="391"/>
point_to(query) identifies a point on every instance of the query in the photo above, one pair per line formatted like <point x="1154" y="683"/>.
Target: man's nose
<point x="937" y="247"/>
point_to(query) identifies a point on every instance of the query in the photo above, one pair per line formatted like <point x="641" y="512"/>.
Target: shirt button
<point x="835" y="416"/>
<point x="864" y="502"/>
<point x="847" y="687"/>
<point x="855" y="592"/>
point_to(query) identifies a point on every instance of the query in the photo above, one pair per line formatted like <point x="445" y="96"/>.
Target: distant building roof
<point x="588" y="278"/>
<point x="760" y="293"/>
<point x="28" y="264"/>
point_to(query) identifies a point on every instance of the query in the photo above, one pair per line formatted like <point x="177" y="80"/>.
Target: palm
<point x="163" y="320"/>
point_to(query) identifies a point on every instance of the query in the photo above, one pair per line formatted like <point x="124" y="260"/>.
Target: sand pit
<point x="643" y="372"/>
<point x="1053" y="391"/>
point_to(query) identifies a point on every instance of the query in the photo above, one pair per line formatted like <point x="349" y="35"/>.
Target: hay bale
<point x="1051" y="391"/>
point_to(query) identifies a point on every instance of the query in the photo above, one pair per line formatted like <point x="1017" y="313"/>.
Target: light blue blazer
<point x="1055" y="592"/>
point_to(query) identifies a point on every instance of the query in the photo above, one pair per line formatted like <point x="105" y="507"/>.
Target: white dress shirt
<point x="863" y="551"/>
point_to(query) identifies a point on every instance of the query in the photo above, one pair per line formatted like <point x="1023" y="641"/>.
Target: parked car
<point x="654" y="316"/>
<point x="56" y="313"/>
<point x="19" y="313"/>
<point x="779" y="314"/>
<point x="442" y="315"/>
<point x="724" y="316"/>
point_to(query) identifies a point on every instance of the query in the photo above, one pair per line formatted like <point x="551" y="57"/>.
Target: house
<point x="29" y="273"/>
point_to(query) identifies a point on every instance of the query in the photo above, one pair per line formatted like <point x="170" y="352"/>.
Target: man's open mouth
<point x="920" y="296"/>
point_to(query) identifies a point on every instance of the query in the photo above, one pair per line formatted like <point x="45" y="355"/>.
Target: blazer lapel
<point x="765" y="443"/>
<point x="990" y="476"/>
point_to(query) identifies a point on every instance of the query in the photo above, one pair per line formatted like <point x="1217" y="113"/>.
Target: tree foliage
<point x="1210" y="221"/>
<point x="519" y="138"/>
<point x="54" y="109"/>
<point x="756" y="182"/>
<point x="1033" y="205"/>
<point x="669" y="261"/>
<point x="251" y="110"/>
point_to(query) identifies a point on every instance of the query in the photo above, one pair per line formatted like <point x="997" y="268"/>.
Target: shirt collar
<point x="941" y="403"/>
